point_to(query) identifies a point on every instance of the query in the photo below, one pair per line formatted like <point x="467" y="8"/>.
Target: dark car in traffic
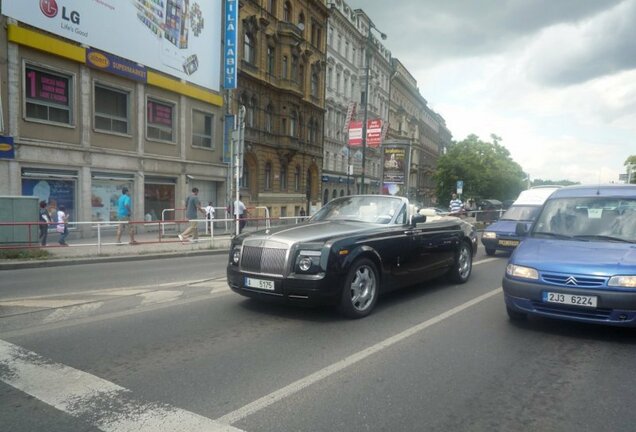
<point x="578" y="260"/>
<point x="349" y="252"/>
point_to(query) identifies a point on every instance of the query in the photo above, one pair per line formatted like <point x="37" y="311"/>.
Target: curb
<point x="58" y="262"/>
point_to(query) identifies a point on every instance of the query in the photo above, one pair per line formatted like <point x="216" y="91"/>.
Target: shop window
<point x="160" y="120"/>
<point x="111" y="109"/>
<point x="104" y="197"/>
<point x="55" y="191"/>
<point x="48" y="96"/>
<point x="202" y="129"/>
<point x="159" y="197"/>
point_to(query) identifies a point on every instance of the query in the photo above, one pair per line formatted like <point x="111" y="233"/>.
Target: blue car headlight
<point x="489" y="235"/>
<point x="622" y="281"/>
<point x="522" y="272"/>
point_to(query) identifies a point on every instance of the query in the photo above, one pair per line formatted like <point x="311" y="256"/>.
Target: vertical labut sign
<point x="230" y="51"/>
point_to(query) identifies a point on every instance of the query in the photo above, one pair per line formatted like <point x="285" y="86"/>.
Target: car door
<point x="433" y="249"/>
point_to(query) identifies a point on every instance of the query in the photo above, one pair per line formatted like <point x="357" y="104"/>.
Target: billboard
<point x="181" y="38"/>
<point x="374" y="133"/>
<point x="395" y="165"/>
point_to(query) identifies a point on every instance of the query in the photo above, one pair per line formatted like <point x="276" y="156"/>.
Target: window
<point x="337" y="82"/>
<point x="202" y="129"/>
<point x="111" y="109"/>
<point x="271" y="60"/>
<point x="283" y="177"/>
<point x="160" y="120"/>
<point x="268" y="176"/>
<point x="297" y="179"/>
<point x="339" y="47"/>
<point x="284" y="68"/>
<point x="314" y="84"/>
<point x="287" y="12"/>
<point x="48" y="96"/>
<point x="250" y="113"/>
<point x="292" y="124"/>
<point x="329" y="77"/>
<point x="269" y="118"/>
<point x="271" y="6"/>
<point x="294" y="68"/>
<point x="249" y="48"/>
<point x="346" y="86"/>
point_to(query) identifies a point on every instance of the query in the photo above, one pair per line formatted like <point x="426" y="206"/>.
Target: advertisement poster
<point x="394" y="165"/>
<point x="104" y="196"/>
<point x="54" y="192"/>
<point x="181" y="38"/>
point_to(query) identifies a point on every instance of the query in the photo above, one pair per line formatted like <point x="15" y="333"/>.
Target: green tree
<point x="486" y="169"/>
<point x="630" y="163"/>
<point x="540" y="182"/>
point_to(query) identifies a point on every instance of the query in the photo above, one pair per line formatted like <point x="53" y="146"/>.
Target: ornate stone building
<point x="281" y="78"/>
<point x="412" y="121"/>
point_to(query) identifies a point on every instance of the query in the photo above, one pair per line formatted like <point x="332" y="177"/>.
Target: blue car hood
<point x="576" y="257"/>
<point x="504" y="227"/>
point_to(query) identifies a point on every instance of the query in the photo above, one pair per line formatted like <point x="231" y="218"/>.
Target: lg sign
<point x="50" y="9"/>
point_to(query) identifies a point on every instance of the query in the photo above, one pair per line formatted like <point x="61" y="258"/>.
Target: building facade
<point x="85" y="122"/>
<point x="281" y="84"/>
<point x="425" y="132"/>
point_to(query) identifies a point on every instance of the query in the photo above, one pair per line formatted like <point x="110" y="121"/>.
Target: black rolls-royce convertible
<point x="349" y="252"/>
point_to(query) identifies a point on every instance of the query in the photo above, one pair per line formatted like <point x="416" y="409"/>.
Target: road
<point x="163" y="345"/>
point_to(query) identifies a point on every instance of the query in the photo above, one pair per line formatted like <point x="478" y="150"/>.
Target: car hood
<point x="505" y="226"/>
<point x="577" y="257"/>
<point x="313" y="231"/>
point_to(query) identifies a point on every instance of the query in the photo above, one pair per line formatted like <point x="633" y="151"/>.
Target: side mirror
<point x="415" y="219"/>
<point x="522" y="229"/>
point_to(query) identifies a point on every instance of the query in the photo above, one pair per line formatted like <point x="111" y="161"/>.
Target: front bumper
<point x="616" y="308"/>
<point x="300" y="290"/>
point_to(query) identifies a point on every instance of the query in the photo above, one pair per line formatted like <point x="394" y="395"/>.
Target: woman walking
<point x="62" y="224"/>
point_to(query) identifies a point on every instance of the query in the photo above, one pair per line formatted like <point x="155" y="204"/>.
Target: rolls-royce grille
<point x="263" y="260"/>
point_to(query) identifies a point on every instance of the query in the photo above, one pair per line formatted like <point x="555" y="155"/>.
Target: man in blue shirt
<point x="124" y="212"/>
<point x="193" y="206"/>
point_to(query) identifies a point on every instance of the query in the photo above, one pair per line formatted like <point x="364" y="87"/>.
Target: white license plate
<point x="508" y="242"/>
<point x="570" y="299"/>
<point x="259" y="284"/>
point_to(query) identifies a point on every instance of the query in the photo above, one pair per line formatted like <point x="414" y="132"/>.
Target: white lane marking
<point x="155" y="297"/>
<point x="79" y="311"/>
<point x="40" y="303"/>
<point x="265" y="401"/>
<point x="485" y="260"/>
<point x="123" y="292"/>
<point x="103" y="404"/>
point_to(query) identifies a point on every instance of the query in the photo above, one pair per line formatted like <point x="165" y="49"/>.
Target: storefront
<point x="106" y="188"/>
<point x="159" y="195"/>
<point x="55" y="187"/>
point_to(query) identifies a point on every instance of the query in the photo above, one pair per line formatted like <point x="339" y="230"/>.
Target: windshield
<point x="595" y="218"/>
<point x="380" y="209"/>
<point x="521" y="213"/>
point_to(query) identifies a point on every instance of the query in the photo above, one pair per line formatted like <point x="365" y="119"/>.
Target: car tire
<point x="360" y="290"/>
<point x="463" y="266"/>
<point x="490" y="252"/>
<point x="515" y="315"/>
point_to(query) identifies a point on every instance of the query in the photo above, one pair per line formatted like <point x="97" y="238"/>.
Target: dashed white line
<point x="105" y="405"/>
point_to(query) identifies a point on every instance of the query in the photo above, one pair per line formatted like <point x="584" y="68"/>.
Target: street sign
<point x="460" y="187"/>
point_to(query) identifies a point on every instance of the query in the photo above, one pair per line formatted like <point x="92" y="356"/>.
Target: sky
<point x="554" y="79"/>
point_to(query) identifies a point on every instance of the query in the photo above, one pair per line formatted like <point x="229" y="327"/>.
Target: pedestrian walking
<point x="62" y="224"/>
<point x="193" y="205"/>
<point x="45" y="219"/>
<point x="124" y="213"/>
<point x="240" y="213"/>
<point x="209" y="215"/>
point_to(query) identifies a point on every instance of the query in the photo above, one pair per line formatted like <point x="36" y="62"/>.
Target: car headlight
<point x="513" y="270"/>
<point x="236" y="256"/>
<point x="622" y="281"/>
<point x="308" y="261"/>
<point x="489" y="235"/>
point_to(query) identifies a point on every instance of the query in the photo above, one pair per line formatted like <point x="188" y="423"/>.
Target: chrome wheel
<point x="460" y="272"/>
<point x="363" y="288"/>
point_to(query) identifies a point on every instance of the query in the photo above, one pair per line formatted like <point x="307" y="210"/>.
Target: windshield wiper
<point x="601" y="237"/>
<point x="550" y="234"/>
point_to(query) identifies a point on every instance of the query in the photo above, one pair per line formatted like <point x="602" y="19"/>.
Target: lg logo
<point x="50" y="9"/>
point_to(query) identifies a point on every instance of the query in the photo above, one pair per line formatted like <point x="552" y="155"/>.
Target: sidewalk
<point x="82" y="251"/>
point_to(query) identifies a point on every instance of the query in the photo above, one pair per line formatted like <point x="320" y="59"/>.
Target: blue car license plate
<point x="570" y="299"/>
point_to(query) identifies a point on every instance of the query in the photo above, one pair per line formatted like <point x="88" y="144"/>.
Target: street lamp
<point x="366" y="97"/>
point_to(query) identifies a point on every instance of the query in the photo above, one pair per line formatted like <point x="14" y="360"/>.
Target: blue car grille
<point x="263" y="260"/>
<point x="574" y="281"/>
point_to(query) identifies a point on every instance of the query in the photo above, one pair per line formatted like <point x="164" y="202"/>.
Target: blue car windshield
<point x="588" y="219"/>
<point x="521" y="213"/>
